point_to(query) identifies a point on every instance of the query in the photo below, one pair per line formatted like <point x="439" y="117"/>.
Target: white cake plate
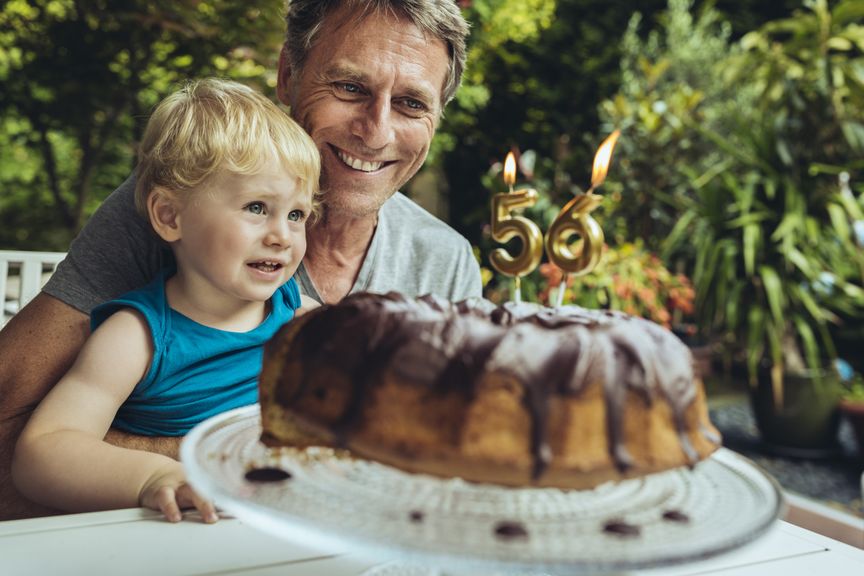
<point x="327" y="499"/>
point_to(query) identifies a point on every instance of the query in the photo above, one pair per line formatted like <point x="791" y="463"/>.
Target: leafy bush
<point x="777" y="266"/>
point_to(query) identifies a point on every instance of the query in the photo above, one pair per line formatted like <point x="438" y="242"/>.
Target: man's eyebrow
<point x="422" y="95"/>
<point x="342" y="72"/>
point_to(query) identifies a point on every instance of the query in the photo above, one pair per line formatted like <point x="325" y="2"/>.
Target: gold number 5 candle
<point x="575" y="219"/>
<point x="506" y="226"/>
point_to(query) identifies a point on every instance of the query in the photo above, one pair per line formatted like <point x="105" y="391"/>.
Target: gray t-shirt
<point x="411" y="252"/>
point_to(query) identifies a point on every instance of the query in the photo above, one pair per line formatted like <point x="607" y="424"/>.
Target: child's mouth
<point x="266" y="266"/>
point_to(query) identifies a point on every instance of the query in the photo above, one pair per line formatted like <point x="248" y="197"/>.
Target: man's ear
<point x="163" y="208"/>
<point x="283" y="77"/>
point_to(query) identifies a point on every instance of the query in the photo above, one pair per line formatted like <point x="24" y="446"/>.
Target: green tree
<point x="79" y="78"/>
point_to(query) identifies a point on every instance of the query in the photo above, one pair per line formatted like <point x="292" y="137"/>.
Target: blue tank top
<point x="196" y="371"/>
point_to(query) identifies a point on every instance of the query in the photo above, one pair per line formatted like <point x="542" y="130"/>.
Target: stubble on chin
<point x="350" y="202"/>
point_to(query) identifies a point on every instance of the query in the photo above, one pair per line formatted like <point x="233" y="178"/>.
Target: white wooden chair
<point x="22" y="275"/>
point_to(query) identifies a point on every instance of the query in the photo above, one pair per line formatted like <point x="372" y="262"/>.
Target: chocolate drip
<point x="712" y="436"/>
<point x="387" y="336"/>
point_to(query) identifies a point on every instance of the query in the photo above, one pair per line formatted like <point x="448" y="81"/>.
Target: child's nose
<point x="278" y="233"/>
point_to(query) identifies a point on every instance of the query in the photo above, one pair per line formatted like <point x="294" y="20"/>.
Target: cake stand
<point x="325" y="498"/>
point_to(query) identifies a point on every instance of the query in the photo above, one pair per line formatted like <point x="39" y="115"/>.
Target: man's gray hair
<point x="440" y="18"/>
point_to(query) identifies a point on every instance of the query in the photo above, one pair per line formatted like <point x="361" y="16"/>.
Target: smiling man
<point x="370" y="91"/>
<point x="368" y="79"/>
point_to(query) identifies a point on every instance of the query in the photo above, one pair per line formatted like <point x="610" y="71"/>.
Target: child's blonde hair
<point x="212" y="125"/>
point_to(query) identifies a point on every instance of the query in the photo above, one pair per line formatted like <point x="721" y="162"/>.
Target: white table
<point x="138" y="541"/>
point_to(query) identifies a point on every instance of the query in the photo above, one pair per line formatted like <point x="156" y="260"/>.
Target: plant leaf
<point x="773" y="292"/>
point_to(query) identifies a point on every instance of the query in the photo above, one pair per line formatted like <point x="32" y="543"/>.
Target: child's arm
<point x="61" y="459"/>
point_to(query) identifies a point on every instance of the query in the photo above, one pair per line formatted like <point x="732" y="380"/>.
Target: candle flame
<point x="510" y="169"/>
<point x="602" y="159"/>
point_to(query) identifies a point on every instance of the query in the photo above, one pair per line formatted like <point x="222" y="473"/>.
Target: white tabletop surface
<point x="137" y="541"/>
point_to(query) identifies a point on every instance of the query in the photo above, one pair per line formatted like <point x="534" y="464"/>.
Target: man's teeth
<point x="357" y="164"/>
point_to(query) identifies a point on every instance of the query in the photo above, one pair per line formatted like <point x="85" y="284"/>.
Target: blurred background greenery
<point x="724" y="212"/>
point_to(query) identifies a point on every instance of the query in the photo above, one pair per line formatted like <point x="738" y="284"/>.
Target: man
<point x="368" y="79"/>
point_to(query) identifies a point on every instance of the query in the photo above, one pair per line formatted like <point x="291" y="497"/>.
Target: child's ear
<point x="164" y="211"/>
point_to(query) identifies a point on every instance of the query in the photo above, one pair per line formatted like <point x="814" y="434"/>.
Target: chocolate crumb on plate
<point x="621" y="528"/>
<point x="268" y="474"/>
<point x="506" y="530"/>
<point x="676" y="516"/>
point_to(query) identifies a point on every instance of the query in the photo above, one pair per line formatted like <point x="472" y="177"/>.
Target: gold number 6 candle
<point x="506" y="226"/>
<point x="575" y="218"/>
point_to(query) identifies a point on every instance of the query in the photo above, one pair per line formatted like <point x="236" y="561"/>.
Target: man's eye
<point x="415" y="104"/>
<point x="256" y="208"/>
<point x="348" y="87"/>
<point x="296" y="215"/>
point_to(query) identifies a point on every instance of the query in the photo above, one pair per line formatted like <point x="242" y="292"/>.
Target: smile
<point x="357" y="163"/>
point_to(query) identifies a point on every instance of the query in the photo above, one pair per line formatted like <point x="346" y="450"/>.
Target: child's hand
<point x="167" y="491"/>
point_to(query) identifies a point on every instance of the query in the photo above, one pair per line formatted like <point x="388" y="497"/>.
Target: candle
<point x="575" y="218"/>
<point x="506" y="226"/>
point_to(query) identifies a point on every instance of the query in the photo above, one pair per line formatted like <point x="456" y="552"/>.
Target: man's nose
<point x="374" y="126"/>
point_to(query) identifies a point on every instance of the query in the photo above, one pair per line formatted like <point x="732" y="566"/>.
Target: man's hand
<point x="165" y="445"/>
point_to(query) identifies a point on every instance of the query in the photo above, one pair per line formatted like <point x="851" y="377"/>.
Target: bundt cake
<point x="517" y="395"/>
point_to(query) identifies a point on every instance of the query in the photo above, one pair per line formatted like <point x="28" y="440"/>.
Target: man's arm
<point x="37" y="347"/>
<point x="165" y="445"/>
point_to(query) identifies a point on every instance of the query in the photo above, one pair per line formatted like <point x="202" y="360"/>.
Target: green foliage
<point x="667" y="80"/>
<point x="777" y="267"/>
<point x="78" y="81"/>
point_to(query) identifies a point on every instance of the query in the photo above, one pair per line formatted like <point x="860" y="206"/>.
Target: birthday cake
<point x="517" y="395"/>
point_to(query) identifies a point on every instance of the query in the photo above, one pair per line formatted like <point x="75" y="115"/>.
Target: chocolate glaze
<point x="445" y="346"/>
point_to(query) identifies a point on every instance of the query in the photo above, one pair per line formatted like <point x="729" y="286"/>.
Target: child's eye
<point x="296" y="215"/>
<point x="256" y="208"/>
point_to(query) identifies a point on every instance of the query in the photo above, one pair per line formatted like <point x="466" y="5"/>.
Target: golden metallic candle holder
<point x="506" y="226"/>
<point x="581" y="257"/>
<point x="578" y="258"/>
